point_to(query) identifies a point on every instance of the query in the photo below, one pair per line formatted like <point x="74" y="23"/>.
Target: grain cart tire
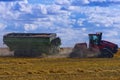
<point x="25" y="53"/>
<point x="18" y="53"/>
<point x="35" y="53"/>
<point x="105" y="53"/>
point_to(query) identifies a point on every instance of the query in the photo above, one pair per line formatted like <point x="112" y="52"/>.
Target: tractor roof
<point x="98" y="33"/>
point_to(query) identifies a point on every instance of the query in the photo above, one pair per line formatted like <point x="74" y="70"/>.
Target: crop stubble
<point x="12" y="68"/>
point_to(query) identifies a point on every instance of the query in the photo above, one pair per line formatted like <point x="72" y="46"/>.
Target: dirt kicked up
<point x="12" y="68"/>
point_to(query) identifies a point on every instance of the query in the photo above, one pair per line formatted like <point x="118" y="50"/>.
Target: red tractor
<point x="104" y="49"/>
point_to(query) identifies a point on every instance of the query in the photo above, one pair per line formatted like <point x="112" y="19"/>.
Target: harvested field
<point x="12" y="68"/>
<point x="59" y="69"/>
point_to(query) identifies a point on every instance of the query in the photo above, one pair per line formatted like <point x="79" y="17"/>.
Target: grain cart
<point x="32" y="44"/>
<point x="97" y="48"/>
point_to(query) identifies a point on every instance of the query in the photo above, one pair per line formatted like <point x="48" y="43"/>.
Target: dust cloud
<point x="6" y="52"/>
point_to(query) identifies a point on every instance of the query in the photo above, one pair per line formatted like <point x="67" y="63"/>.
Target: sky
<point x="72" y="20"/>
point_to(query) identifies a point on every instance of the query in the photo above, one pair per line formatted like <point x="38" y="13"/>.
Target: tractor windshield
<point x="94" y="39"/>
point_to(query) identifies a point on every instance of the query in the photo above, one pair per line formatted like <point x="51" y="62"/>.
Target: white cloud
<point x="100" y="16"/>
<point x="53" y="9"/>
<point x="24" y="7"/>
<point x="72" y="36"/>
<point x="83" y="29"/>
<point x="104" y="17"/>
<point x="62" y="2"/>
<point x="11" y="0"/>
<point x="99" y="2"/>
<point x="30" y="27"/>
<point x="85" y="1"/>
<point x="111" y="33"/>
<point x="2" y="26"/>
<point x="104" y="0"/>
<point x="80" y="2"/>
<point x="39" y="9"/>
<point x="80" y="21"/>
<point x="8" y="12"/>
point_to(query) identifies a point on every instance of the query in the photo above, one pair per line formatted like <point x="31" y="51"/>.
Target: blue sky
<point x="72" y="20"/>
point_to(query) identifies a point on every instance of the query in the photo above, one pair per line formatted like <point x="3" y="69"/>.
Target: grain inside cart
<point x="32" y="44"/>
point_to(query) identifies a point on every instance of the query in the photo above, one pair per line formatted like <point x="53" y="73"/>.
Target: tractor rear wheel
<point x="106" y="54"/>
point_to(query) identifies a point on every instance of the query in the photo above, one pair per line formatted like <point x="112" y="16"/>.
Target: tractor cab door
<point x="95" y="39"/>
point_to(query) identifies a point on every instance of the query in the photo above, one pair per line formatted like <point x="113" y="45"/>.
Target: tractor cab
<point x="95" y="39"/>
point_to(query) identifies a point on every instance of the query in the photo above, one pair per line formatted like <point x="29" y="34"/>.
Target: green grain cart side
<point x="32" y="44"/>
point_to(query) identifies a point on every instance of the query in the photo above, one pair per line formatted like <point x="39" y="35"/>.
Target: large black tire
<point x="26" y="53"/>
<point x="18" y="53"/>
<point x="105" y="53"/>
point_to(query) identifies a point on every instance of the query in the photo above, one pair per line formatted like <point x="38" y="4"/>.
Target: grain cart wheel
<point x="106" y="54"/>
<point x="23" y="53"/>
<point x="18" y="53"/>
<point x="35" y="53"/>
